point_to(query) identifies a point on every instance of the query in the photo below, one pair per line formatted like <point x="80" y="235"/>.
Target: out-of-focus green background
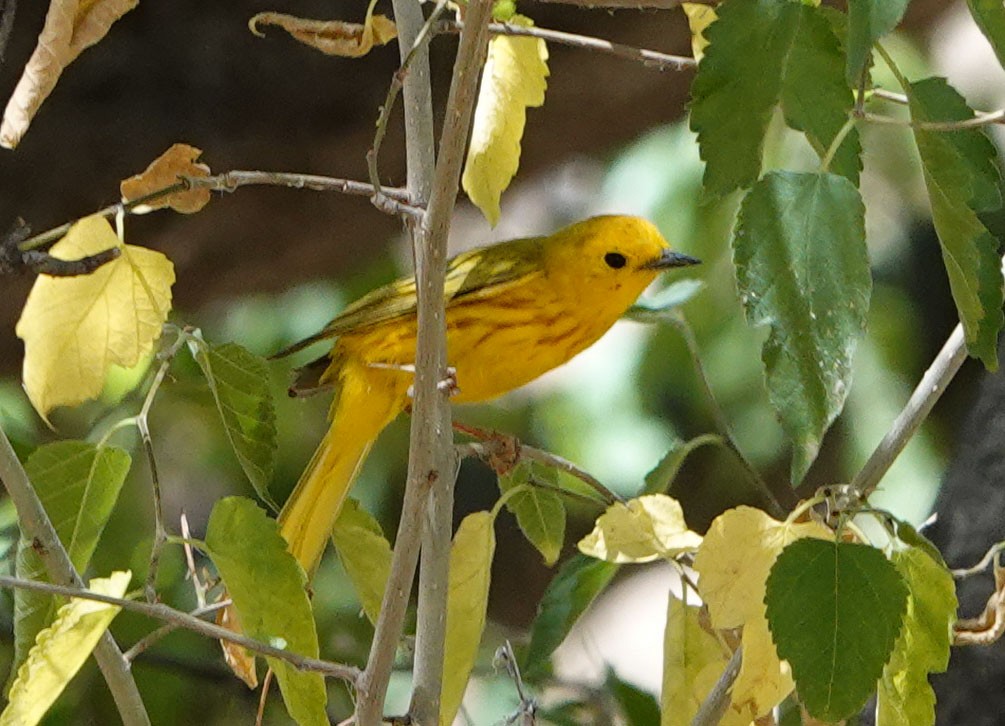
<point x="615" y="410"/>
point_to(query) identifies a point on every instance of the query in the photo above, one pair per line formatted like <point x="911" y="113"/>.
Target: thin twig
<point x="721" y="421"/>
<point x="981" y="119"/>
<point x="648" y="58"/>
<point x="197" y="585"/>
<point x="159" y="611"/>
<point x="230" y="181"/>
<point x="153" y="637"/>
<point x="918" y="406"/>
<point x="631" y="4"/>
<point x="143" y="426"/>
<point x="35" y="524"/>
<point x="420" y="45"/>
<point x="717" y="701"/>
<point x="892" y="96"/>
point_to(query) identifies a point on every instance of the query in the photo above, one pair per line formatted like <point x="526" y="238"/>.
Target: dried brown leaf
<point x="240" y="660"/>
<point x="989" y="626"/>
<point x="332" y="37"/>
<point x="70" y="27"/>
<point x="163" y="172"/>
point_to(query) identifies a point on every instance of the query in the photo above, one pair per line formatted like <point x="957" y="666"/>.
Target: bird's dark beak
<point x="669" y="259"/>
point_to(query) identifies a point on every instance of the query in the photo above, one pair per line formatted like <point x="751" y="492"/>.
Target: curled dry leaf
<point x="332" y="37"/>
<point x="239" y="658"/>
<point x="989" y="626"/>
<point x="163" y="172"/>
<point x="70" y="27"/>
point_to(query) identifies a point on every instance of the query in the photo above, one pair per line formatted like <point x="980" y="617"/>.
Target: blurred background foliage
<point x="615" y="411"/>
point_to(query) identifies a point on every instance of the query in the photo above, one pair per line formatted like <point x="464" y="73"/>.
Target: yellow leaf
<point x="513" y="79"/>
<point x="75" y="328"/>
<point x="764" y="680"/>
<point x="644" y="529"/>
<point x="60" y="650"/>
<point x="693" y="660"/>
<point x="332" y="37"/>
<point x="467" y="601"/>
<point x="70" y="27"/>
<point x="699" y="17"/>
<point x="163" y="172"/>
<point x="735" y="557"/>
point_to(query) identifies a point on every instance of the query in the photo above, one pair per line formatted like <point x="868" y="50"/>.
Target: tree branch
<point x="648" y="58"/>
<point x="631" y="4"/>
<point x="35" y="524"/>
<point x="717" y="701"/>
<point x="179" y="619"/>
<point x="918" y="406"/>
<point x="416" y="88"/>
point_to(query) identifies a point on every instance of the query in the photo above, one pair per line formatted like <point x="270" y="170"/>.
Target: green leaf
<point x="962" y="177"/>
<point x="268" y="589"/>
<point x="569" y="593"/>
<point x="365" y="554"/>
<point x="658" y="480"/>
<point x="868" y="21"/>
<point x="60" y="651"/>
<point x="638" y="708"/>
<point x="905" y="697"/>
<point x="467" y="602"/>
<point x="910" y="536"/>
<point x="239" y="381"/>
<point x="834" y="610"/>
<point x="78" y="485"/>
<point x="539" y="512"/>
<point x="990" y="18"/>
<point x="641" y="530"/>
<point x="762" y="53"/>
<point x="803" y="269"/>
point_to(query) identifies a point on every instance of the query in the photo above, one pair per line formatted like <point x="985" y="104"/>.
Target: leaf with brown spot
<point x="70" y="27"/>
<point x="164" y="172"/>
<point x="332" y="37"/>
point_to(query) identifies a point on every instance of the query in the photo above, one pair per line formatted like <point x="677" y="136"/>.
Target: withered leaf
<point x="332" y="37"/>
<point x="163" y="172"/>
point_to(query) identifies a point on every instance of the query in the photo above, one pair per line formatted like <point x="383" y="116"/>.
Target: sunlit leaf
<point x="699" y="17"/>
<point x="467" y="601"/>
<point x="835" y="610"/>
<point x="642" y="530"/>
<point x="693" y="659"/>
<point x="268" y="589"/>
<point x="60" y="650"/>
<point x="513" y="79"/>
<point x="803" y="270"/>
<point x="365" y="554"/>
<point x="75" y="328"/>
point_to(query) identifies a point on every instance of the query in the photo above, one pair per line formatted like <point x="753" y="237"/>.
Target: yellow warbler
<point x="514" y="309"/>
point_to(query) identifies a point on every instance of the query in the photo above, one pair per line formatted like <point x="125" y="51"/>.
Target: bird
<point x="514" y="310"/>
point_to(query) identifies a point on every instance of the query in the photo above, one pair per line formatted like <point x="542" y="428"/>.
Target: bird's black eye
<point x="615" y="260"/>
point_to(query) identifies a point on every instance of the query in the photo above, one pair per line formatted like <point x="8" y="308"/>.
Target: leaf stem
<point x="648" y="58"/>
<point x="717" y="701"/>
<point x="35" y="524"/>
<point x="901" y="78"/>
<point x="849" y="124"/>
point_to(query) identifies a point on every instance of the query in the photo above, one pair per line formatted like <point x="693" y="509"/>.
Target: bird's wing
<point x="477" y="272"/>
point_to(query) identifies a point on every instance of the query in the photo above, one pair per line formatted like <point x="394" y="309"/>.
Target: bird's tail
<point x="359" y="413"/>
